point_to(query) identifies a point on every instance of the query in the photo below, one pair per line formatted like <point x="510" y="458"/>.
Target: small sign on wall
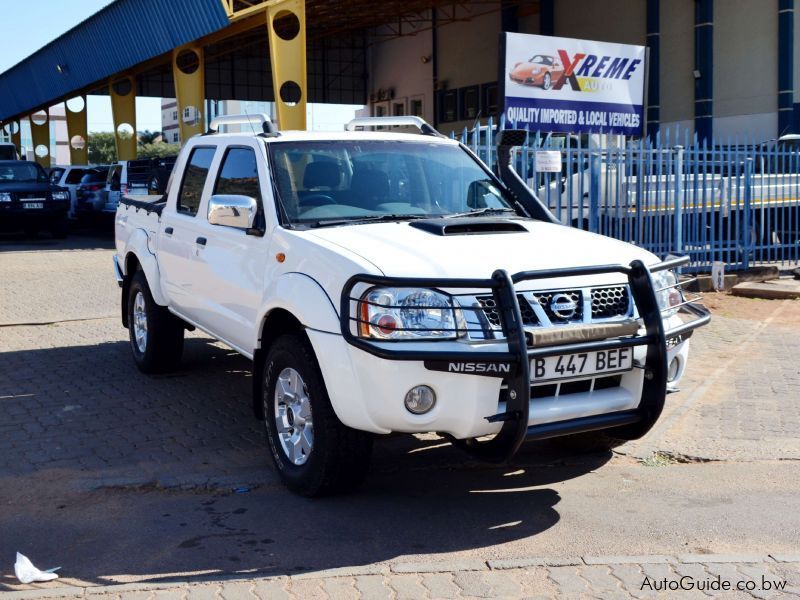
<point x="548" y="161"/>
<point x="718" y="275"/>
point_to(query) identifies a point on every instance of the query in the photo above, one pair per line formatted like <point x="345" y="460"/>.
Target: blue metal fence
<point x="737" y="202"/>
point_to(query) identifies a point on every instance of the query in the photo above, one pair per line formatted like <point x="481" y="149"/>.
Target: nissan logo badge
<point x="563" y="306"/>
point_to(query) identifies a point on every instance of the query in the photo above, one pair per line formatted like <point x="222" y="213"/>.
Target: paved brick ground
<point x="689" y="576"/>
<point x="77" y="416"/>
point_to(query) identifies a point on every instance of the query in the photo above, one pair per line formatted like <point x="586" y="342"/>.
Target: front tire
<point x="315" y="453"/>
<point x="546" y="81"/>
<point x="156" y="335"/>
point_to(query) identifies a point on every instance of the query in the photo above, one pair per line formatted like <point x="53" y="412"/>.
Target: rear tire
<point x="587" y="443"/>
<point x="156" y="335"/>
<point x="315" y="453"/>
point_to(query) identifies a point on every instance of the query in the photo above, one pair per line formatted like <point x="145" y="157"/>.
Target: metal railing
<point x="736" y="203"/>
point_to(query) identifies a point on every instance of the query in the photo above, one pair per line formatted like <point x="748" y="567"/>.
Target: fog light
<point x="420" y="399"/>
<point x="674" y="369"/>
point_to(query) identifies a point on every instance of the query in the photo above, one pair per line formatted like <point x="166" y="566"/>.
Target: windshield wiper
<point x="364" y="219"/>
<point x="482" y="211"/>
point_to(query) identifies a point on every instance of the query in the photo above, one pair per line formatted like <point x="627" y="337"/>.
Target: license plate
<point x="33" y="205"/>
<point x="569" y="366"/>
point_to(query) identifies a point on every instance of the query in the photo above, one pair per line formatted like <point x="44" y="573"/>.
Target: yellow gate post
<point x="77" y="130"/>
<point x="123" y="106"/>
<point x="40" y="133"/>
<point x="188" y="73"/>
<point x="286" y="22"/>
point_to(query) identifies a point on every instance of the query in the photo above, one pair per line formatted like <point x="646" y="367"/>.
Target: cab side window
<point x="238" y="174"/>
<point x="194" y="180"/>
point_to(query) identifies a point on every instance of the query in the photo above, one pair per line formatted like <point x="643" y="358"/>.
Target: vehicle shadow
<point x="83" y="238"/>
<point x="117" y="475"/>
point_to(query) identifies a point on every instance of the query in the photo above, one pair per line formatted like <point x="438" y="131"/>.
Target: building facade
<point x="718" y="68"/>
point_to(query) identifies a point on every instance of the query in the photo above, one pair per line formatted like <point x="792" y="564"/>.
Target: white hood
<point x="400" y="250"/>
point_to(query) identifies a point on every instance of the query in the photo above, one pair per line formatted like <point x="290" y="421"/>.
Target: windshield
<point x="26" y="172"/>
<point x="542" y="60"/>
<point x="367" y="180"/>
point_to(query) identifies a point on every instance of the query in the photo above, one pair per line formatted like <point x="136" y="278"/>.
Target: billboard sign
<point x="574" y="86"/>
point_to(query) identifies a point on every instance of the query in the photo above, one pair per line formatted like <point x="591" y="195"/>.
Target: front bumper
<point x="13" y="214"/>
<point x="633" y="406"/>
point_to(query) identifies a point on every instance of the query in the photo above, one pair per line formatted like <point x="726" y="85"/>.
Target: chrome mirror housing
<point x="232" y="211"/>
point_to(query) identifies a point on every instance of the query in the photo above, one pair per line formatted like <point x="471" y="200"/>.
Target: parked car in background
<point x="541" y="70"/>
<point x="141" y="177"/>
<point x="8" y="151"/>
<point x="29" y="201"/>
<point x="69" y="177"/>
<point x="91" y="193"/>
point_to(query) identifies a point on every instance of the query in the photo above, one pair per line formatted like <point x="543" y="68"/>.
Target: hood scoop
<point x="468" y="226"/>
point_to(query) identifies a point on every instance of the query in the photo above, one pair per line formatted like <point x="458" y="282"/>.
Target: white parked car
<point x="389" y="282"/>
<point x="69" y="177"/>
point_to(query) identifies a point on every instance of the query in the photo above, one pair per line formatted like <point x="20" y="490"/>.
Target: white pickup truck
<point x="389" y="282"/>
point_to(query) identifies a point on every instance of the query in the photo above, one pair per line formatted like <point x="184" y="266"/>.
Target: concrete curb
<point x="388" y="569"/>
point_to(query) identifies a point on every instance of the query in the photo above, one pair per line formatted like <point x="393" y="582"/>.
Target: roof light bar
<point x="260" y="119"/>
<point x="417" y="122"/>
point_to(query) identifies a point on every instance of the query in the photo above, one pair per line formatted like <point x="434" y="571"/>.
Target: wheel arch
<point x="279" y="321"/>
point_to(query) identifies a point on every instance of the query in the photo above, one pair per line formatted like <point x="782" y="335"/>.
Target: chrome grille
<point x="493" y="314"/>
<point x="608" y="302"/>
<point x="546" y="298"/>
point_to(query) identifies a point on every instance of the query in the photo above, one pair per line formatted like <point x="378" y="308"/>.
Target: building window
<point x="489" y="99"/>
<point x="175" y="137"/>
<point x="470" y="102"/>
<point x="398" y="108"/>
<point x="415" y="107"/>
<point x="449" y="106"/>
<point x="174" y="115"/>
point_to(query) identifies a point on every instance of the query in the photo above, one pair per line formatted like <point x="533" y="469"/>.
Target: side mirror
<point x="232" y="211"/>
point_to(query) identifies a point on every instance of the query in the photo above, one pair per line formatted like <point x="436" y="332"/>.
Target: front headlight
<point x="668" y="293"/>
<point x="409" y="314"/>
<point x="5" y="197"/>
<point x="59" y="195"/>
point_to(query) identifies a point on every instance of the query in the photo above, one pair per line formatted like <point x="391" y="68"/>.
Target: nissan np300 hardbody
<point x="390" y="282"/>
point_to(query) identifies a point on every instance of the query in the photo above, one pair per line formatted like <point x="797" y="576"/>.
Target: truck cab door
<point x="182" y="232"/>
<point x="233" y="263"/>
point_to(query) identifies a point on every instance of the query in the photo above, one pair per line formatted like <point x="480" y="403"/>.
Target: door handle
<point x="168" y="231"/>
<point x="201" y="241"/>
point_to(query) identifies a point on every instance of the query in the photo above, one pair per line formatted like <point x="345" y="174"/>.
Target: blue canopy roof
<point x="120" y="36"/>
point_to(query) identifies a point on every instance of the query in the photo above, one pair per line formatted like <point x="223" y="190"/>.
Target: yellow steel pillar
<point x="123" y="106"/>
<point x="77" y="130"/>
<point x="40" y="134"/>
<point x="286" y="22"/>
<point x="188" y="73"/>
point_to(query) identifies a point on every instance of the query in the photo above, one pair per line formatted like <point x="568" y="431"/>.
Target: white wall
<point x="620" y="21"/>
<point x="677" y="64"/>
<point x="746" y="68"/>
<point x="397" y="63"/>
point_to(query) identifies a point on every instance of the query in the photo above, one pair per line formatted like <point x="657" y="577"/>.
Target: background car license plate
<point x="584" y="364"/>
<point x="33" y="205"/>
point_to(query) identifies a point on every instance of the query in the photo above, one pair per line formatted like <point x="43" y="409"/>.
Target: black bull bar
<point x="515" y="362"/>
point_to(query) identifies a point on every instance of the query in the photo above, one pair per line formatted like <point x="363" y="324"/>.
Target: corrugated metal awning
<point x="120" y="36"/>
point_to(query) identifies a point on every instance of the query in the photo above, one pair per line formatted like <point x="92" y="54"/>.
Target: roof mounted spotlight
<point x="406" y="121"/>
<point x="261" y="120"/>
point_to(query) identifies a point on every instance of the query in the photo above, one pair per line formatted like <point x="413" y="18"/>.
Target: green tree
<point x="157" y="150"/>
<point x="102" y="148"/>
<point x="149" y="137"/>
